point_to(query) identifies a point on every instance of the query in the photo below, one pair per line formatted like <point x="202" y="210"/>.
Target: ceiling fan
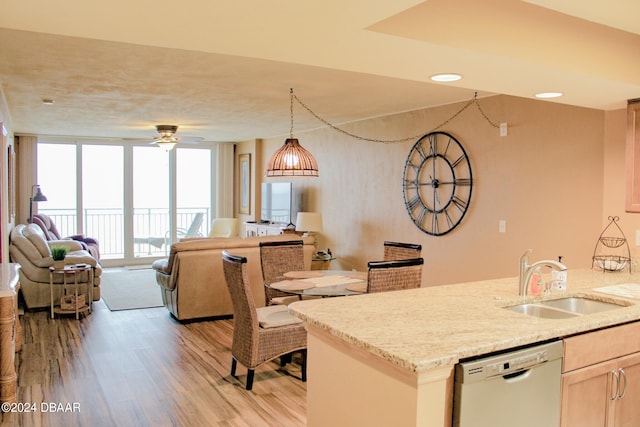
<point x="166" y="140"/>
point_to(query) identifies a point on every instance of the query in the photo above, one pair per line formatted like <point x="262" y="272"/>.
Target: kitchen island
<point x="388" y="358"/>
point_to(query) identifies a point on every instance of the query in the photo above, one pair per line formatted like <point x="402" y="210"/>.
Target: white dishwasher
<point x="518" y="388"/>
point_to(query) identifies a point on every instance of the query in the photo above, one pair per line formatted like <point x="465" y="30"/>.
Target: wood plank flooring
<point x="144" y="368"/>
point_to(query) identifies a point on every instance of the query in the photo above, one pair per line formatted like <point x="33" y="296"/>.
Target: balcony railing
<point x="150" y="225"/>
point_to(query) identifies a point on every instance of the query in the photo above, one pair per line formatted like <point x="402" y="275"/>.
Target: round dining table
<point x="323" y="283"/>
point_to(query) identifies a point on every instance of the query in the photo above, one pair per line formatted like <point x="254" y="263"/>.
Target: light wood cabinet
<point x="604" y="392"/>
<point x="632" y="196"/>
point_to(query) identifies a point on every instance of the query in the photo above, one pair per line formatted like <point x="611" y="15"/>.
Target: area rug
<point x="124" y="289"/>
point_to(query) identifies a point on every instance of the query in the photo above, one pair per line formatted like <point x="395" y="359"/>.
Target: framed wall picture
<point x="245" y="183"/>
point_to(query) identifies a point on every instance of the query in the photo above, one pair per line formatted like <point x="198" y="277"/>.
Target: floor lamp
<point x="38" y="197"/>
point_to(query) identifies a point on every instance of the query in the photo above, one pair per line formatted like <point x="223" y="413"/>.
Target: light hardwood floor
<point x="144" y="368"/>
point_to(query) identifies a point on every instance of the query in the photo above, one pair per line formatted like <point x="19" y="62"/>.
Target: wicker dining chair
<point x="394" y="275"/>
<point x="259" y="334"/>
<point x="276" y="259"/>
<point x="397" y="250"/>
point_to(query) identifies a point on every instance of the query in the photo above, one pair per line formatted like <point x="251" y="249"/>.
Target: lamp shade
<point x="292" y="160"/>
<point x="309" y="221"/>
<point x="166" y="145"/>
<point x="39" y="197"/>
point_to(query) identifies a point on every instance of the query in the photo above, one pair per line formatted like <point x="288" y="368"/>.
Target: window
<point x="135" y="200"/>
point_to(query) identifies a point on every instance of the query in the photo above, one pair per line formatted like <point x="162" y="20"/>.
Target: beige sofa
<point x="29" y="248"/>
<point x="192" y="279"/>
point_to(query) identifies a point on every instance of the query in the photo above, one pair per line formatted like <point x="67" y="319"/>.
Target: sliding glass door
<point x="151" y="211"/>
<point x="135" y="199"/>
<point x="59" y="183"/>
<point x="102" y="197"/>
<point x="193" y="192"/>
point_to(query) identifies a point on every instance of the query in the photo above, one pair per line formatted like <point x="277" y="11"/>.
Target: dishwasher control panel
<point x="517" y="364"/>
<point x="508" y="363"/>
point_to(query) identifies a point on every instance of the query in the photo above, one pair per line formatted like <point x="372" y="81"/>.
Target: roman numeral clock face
<point x="437" y="183"/>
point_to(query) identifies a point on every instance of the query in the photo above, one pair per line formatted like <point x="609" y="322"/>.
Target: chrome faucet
<point x="526" y="271"/>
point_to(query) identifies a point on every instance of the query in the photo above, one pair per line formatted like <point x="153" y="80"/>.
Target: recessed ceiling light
<point x="446" y="77"/>
<point x="545" y="95"/>
<point x="48" y="101"/>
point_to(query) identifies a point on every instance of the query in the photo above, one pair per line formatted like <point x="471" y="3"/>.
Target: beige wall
<point x="6" y="139"/>
<point x="545" y="179"/>
<point x="555" y="179"/>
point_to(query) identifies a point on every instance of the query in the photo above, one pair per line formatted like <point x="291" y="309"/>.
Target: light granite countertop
<point x="428" y="328"/>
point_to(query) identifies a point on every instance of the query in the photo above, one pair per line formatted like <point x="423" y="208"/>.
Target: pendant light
<point x="291" y="159"/>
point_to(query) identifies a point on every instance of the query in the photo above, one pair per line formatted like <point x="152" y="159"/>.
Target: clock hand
<point x="457" y="182"/>
<point x="435" y="184"/>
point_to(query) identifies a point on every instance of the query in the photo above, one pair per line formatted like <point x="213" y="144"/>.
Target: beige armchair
<point x="225" y="227"/>
<point x="29" y="248"/>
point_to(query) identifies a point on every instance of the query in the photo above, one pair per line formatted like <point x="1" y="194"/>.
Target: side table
<point x="67" y="271"/>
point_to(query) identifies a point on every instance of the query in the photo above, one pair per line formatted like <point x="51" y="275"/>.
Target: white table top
<point x="323" y="283"/>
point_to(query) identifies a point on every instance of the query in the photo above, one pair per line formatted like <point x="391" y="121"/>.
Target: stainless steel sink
<point x="580" y="305"/>
<point x="538" y="310"/>
<point x="564" y="308"/>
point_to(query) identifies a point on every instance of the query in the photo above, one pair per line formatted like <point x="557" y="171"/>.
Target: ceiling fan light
<point x="166" y="141"/>
<point x="166" y="145"/>
<point x="292" y="160"/>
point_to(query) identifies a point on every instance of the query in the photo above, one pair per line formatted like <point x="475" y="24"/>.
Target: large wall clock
<point x="437" y="183"/>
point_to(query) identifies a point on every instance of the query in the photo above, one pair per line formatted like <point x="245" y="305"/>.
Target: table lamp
<point x="309" y="223"/>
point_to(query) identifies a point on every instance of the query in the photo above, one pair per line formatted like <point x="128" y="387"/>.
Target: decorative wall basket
<point x="612" y="248"/>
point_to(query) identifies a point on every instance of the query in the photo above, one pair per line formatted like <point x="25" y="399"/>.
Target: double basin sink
<point x="564" y="308"/>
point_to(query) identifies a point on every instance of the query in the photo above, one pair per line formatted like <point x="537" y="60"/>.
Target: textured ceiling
<point x="222" y="72"/>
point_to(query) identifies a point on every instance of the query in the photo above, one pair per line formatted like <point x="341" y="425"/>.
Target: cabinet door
<point x="586" y="396"/>
<point x="251" y="230"/>
<point x="632" y="199"/>
<point x="274" y="231"/>
<point x="627" y="408"/>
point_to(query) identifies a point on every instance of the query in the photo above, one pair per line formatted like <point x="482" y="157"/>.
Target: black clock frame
<point x="436" y="217"/>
